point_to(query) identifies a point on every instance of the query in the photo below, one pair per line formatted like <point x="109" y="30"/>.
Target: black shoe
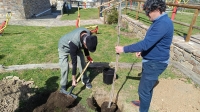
<point x="88" y="85"/>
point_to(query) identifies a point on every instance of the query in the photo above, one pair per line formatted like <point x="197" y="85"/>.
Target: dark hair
<point x="152" y="5"/>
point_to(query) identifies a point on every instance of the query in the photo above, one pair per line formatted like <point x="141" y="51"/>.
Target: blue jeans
<point x="150" y="73"/>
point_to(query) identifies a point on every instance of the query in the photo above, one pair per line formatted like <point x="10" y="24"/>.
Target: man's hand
<point x="89" y="59"/>
<point x="73" y="80"/>
<point x="119" y="49"/>
<point x="138" y="54"/>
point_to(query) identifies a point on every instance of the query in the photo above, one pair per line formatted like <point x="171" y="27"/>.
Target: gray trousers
<point x="64" y="66"/>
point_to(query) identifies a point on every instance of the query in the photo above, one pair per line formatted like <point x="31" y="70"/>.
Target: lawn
<point x="180" y="16"/>
<point x="34" y="45"/>
<point x="85" y="14"/>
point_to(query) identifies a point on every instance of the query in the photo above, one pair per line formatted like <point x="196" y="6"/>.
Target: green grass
<point x="21" y="45"/>
<point x="33" y="45"/>
<point x="89" y="13"/>
<point x="178" y="29"/>
<point x="186" y="18"/>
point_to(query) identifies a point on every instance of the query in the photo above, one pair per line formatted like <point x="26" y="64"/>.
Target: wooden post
<point x="99" y="11"/>
<point x="126" y="6"/>
<point x="137" y="14"/>
<point x="104" y="18"/>
<point x="191" y="25"/>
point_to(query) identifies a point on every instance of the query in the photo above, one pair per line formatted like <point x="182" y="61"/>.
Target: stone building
<point x="24" y="9"/>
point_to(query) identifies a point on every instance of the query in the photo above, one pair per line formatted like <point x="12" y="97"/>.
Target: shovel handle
<point x="83" y="71"/>
<point x="70" y="91"/>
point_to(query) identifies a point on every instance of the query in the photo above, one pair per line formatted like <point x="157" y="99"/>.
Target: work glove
<point x="89" y="59"/>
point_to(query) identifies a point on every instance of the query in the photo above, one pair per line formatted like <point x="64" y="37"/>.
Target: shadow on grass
<point x="15" y="33"/>
<point x="2" y="56"/>
<point x="180" y="33"/>
<point x="40" y="97"/>
<point x="92" y="73"/>
<point x="127" y="77"/>
<point x="71" y="11"/>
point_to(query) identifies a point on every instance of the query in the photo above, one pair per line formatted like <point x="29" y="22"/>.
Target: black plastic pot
<point x="108" y="74"/>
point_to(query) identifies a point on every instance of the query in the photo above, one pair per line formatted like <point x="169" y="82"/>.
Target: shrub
<point x="112" y="16"/>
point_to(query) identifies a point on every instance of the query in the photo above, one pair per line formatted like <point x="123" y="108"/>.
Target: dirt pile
<point x="12" y="91"/>
<point x="56" y="101"/>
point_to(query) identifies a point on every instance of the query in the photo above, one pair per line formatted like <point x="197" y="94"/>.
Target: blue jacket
<point x="156" y="44"/>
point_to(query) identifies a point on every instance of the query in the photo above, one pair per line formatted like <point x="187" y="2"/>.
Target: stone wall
<point x="183" y="55"/>
<point x="24" y="9"/>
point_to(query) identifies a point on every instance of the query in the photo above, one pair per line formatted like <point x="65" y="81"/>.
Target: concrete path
<point x="52" y="20"/>
<point x="56" y="66"/>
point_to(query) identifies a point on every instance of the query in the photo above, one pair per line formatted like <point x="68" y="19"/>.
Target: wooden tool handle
<point x="83" y="71"/>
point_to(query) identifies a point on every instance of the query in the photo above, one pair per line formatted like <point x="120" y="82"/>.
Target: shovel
<point x="70" y="91"/>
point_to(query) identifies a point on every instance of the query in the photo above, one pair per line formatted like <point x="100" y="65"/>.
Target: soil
<point x="56" y="100"/>
<point x="170" y="95"/>
<point x="14" y="90"/>
<point x="175" y="95"/>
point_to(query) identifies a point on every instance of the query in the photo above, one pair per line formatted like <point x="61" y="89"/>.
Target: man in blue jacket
<point x="154" y="49"/>
<point x="72" y="45"/>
